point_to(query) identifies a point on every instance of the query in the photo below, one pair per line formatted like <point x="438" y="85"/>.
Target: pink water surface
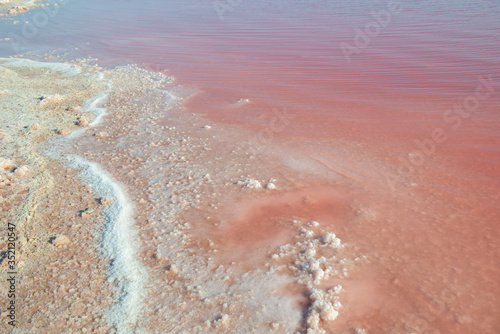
<point x="439" y="250"/>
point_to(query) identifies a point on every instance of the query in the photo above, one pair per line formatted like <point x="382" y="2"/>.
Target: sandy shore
<point x="60" y="275"/>
<point x="130" y="219"/>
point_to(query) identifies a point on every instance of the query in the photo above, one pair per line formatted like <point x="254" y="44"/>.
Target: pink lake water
<point x="418" y="103"/>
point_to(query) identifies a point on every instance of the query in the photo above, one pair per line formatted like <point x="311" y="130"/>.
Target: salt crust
<point x="120" y="243"/>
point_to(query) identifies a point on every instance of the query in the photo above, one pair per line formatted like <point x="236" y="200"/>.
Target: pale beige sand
<point x="61" y="281"/>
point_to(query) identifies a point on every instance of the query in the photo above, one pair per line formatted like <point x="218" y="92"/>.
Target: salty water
<point x="399" y="101"/>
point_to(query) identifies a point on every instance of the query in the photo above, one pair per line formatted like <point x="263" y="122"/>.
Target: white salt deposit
<point x="312" y="261"/>
<point x="93" y="106"/>
<point x="243" y="101"/>
<point x="64" y="69"/>
<point x="270" y="186"/>
<point x="250" y="183"/>
<point x="119" y="243"/>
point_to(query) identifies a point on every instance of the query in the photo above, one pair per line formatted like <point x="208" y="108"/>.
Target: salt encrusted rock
<point x="270" y="185"/>
<point x="331" y="240"/>
<point x="321" y="309"/>
<point x="336" y="289"/>
<point x="306" y="232"/>
<point x="313" y="223"/>
<point x="250" y="183"/>
<point x="6" y="164"/>
<point x="173" y="269"/>
<point x="34" y="127"/>
<point x="208" y="127"/>
<point x="86" y="213"/>
<point x="82" y="121"/>
<point x="106" y="200"/>
<point x="60" y="240"/>
<point x="50" y="100"/>
<point x="102" y="135"/>
<point x="222" y="321"/>
<point x="73" y="108"/>
<point x="21" y="171"/>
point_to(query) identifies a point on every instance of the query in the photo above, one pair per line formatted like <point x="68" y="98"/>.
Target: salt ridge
<point x="119" y="235"/>
<point x="92" y="105"/>
<point x="120" y="243"/>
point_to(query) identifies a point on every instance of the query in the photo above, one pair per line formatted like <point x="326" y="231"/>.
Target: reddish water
<point x="422" y="95"/>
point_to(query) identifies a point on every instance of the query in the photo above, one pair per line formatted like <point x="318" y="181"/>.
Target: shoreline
<point x="180" y="265"/>
<point x="34" y="112"/>
<point x="231" y="234"/>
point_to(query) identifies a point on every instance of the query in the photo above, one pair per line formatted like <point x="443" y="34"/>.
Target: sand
<point x="61" y="274"/>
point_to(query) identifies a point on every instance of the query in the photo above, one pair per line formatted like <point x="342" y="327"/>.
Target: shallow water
<point x="383" y="146"/>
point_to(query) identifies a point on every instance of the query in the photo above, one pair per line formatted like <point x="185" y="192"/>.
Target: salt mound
<point x="50" y="100"/>
<point x="82" y="121"/>
<point x="6" y="164"/>
<point x="271" y="186"/>
<point x="312" y="261"/>
<point x="250" y="183"/>
<point x="106" y="200"/>
<point x="21" y="171"/>
<point x="60" y="240"/>
<point x="119" y="243"/>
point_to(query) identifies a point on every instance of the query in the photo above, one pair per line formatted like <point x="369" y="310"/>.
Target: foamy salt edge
<point x="119" y="243"/>
<point x="92" y="105"/>
<point x="64" y="69"/>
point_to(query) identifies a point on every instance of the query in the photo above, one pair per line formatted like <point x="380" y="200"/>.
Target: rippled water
<point x="418" y="102"/>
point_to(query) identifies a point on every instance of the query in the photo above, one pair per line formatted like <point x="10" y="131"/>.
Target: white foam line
<point x="92" y="105"/>
<point x="65" y="69"/>
<point x="119" y="243"/>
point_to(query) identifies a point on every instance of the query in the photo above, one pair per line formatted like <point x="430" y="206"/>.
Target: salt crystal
<point x="270" y="186"/>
